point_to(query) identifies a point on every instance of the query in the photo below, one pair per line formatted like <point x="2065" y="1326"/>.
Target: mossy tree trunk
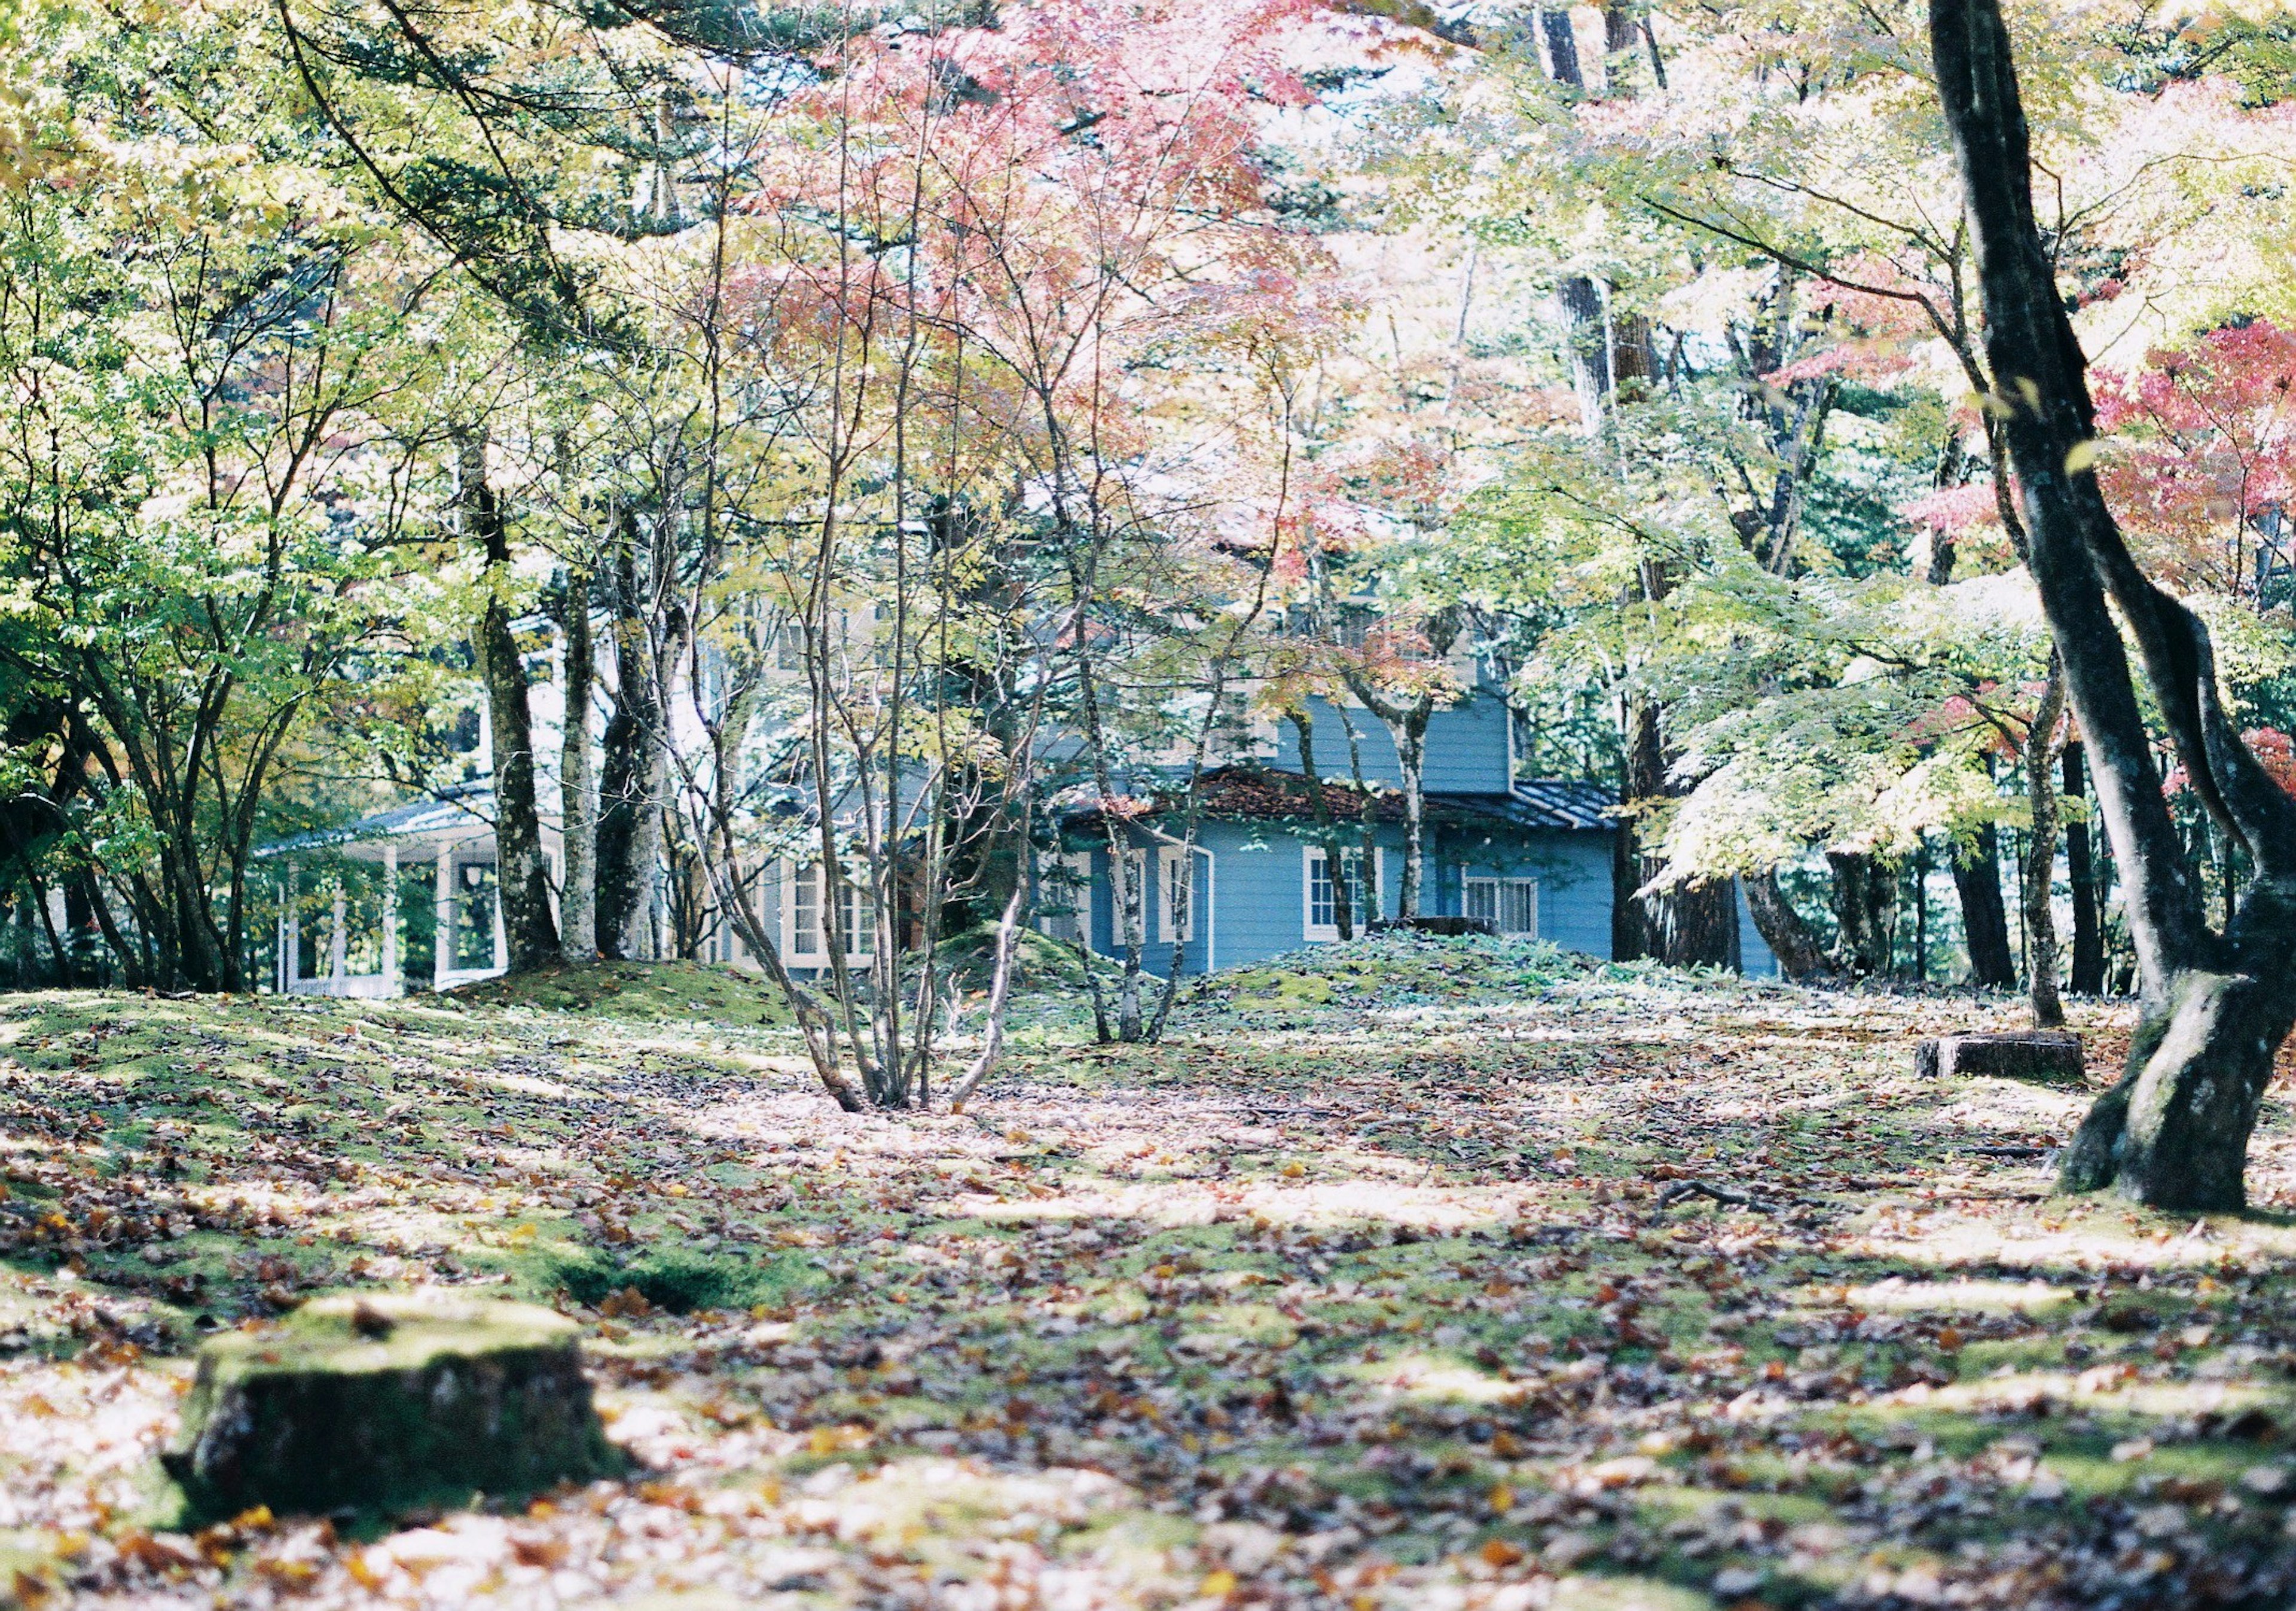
<point x="2216" y="1002"/>
<point x="1800" y="955"/>
<point x="522" y="872"/>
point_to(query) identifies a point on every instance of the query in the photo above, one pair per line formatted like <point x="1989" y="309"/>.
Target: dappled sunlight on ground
<point x="1464" y="1277"/>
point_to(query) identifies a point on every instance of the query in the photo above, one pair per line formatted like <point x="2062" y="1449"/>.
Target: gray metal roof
<point x="465" y="808"/>
<point x="1572" y="802"/>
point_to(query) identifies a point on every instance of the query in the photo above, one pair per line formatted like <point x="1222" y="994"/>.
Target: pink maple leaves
<point x="2204" y="452"/>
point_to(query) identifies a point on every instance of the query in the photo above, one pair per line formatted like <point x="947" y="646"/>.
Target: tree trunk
<point x="1581" y="299"/>
<point x="1590" y="349"/>
<point x="1781" y="928"/>
<point x="577" y="900"/>
<point x="1686" y="924"/>
<point x="2081" y="873"/>
<point x="1128" y="921"/>
<point x="522" y="872"/>
<point x="1561" y="48"/>
<point x="1698" y="926"/>
<point x="1865" y="898"/>
<point x="1642" y="777"/>
<point x="1620" y="37"/>
<point x="1407" y="728"/>
<point x="2174" y="1132"/>
<point x="2038" y="887"/>
<point x="630" y="782"/>
<point x="1984" y="920"/>
<point x="1410" y="736"/>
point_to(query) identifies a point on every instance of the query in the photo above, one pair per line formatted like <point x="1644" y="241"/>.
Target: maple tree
<point x="2174" y="1132"/>
<point x="926" y="443"/>
<point x="2203" y="464"/>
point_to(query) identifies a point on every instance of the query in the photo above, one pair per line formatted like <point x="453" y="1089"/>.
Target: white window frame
<point x="1309" y="855"/>
<point x="1499" y="886"/>
<point x="1073" y="870"/>
<point x="811" y="950"/>
<point x="1176" y="876"/>
<point x="789" y="646"/>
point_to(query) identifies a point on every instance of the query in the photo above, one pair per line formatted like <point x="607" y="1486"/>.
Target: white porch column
<point x="392" y="984"/>
<point x="338" y="938"/>
<point x="443" y="947"/>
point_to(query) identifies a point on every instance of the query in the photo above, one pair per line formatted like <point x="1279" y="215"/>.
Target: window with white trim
<point x="805" y="944"/>
<point x="1510" y="903"/>
<point x="1064" y="897"/>
<point x="1322" y="915"/>
<point x="1177" y="892"/>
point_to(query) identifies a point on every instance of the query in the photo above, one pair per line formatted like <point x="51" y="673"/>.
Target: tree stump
<point x="371" y="1402"/>
<point x="2033" y="1054"/>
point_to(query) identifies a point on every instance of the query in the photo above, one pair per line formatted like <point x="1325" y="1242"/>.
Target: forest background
<point x="944" y="418"/>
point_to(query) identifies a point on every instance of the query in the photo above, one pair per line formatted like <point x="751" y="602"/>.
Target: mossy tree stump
<point x="378" y="1402"/>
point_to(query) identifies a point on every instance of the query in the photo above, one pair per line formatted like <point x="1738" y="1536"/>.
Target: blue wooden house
<point x="1531" y="856"/>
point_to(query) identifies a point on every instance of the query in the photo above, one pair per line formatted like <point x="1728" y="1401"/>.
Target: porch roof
<point x="463" y="812"/>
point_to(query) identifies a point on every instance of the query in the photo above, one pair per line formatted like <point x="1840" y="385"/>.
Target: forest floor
<point x="1370" y="1288"/>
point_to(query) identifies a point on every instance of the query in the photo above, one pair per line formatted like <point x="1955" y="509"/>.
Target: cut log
<point x="2034" y="1054"/>
<point x="370" y="1403"/>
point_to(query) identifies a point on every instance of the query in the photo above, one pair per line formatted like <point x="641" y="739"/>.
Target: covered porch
<point x="354" y="945"/>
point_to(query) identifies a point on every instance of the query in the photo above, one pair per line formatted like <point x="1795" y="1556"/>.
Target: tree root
<point x="1729" y="1196"/>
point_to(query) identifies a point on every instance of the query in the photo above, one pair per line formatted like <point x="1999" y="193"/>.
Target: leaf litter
<point x="1406" y="1274"/>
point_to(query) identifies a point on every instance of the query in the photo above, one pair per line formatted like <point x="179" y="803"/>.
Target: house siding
<point x="1256" y="888"/>
<point x="1573" y="869"/>
<point x="1756" y="960"/>
<point x="1467" y="747"/>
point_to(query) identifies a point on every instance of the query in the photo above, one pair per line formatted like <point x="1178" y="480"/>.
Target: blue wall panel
<point x="1573" y="869"/>
<point x="1755" y="959"/>
<point x="1466" y="747"/>
<point x="1255" y="887"/>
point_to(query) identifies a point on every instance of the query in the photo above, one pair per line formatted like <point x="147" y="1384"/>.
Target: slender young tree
<point x="2037" y="883"/>
<point x="577" y="808"/>
<point x="2087" y="976"/>
<point x="2173" y="1133"/>
<point x="529" y="932"/>
<point x="1800" y="955"/>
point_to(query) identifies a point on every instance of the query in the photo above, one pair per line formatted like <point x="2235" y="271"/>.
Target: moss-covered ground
<point x="1389" y="1282"/>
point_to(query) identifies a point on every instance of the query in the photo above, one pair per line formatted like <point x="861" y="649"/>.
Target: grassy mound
<point x="638" y="992"/>
<point x="1039" y="961"/>
<point x="1402" y="968"/>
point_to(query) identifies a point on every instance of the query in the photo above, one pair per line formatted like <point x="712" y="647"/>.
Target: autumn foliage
<point x="2201" y="454"/>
